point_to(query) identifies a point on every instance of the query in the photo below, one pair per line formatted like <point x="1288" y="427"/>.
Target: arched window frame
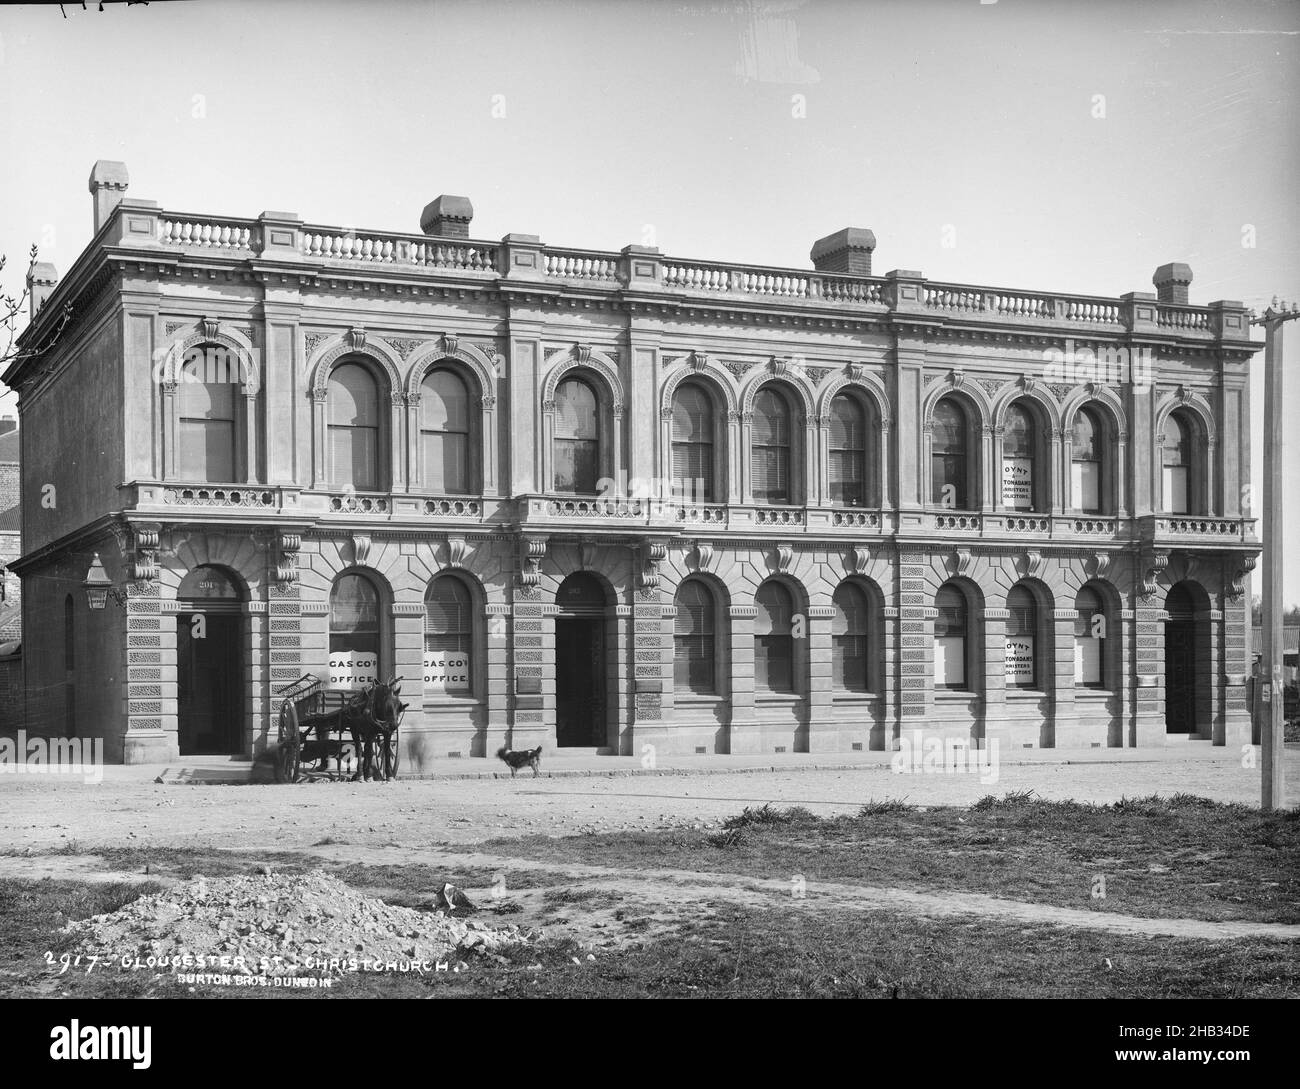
<point x="473" y="432"/>
<point x="467" y="638"/>
<point x="383" y="428"/>
<point x="1036" y="452"/>
<point x="866" y="458"/>
<point x="1194" y="456"/>
<point x="1092" y="646"/>
<point x="717" y="445"/>
<point x="963" y="626"/>
<point x="1099" y="456"/>
<point x="711" y="639"/>
<point x="794" y="448"/>
<point x="383" y="641"/>
<point x="608" y="416"/>
<point x="778" y="645"/>
<point x="964" y="474"/>
<point x="854" y="646"/>
<point x="193" y="465"/>
<point x="1026" y="620"/>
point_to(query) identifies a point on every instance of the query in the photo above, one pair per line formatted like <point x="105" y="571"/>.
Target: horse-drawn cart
<point x="318" y="723"/>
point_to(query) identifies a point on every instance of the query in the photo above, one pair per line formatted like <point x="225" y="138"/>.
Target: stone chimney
<point x="848" y="250"/>
<point x="42" y="279"/>
<point x="447" y="217"/>
<point x="108" y="182"/>
<point x="1171" y="282"/>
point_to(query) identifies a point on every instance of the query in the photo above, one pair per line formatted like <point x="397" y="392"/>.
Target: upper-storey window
<point x="1179" y="477"/>
<point x="354" y="428"/>
<point x="207" y="426"/>
<point x="770" y="472"/>
<point x="1018" y="461"/>
<point x="1086" y="462"/>
<point x="949" y="456"/>
<point x="847" y="464"/>
<point x="444" y="433"/>
<point x="693" y="442"/>
<point x="577" y="438"/>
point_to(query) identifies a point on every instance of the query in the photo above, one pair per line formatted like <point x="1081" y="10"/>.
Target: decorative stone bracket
<point x="859" y="560"/>
<point x="1237" y="583"/>
<point x="1153" y="564"/>
<point x="145" y="539"/>
<point x="532" y="550"/>
<point x="653" y="553"/>
<point x="286" y="562"/>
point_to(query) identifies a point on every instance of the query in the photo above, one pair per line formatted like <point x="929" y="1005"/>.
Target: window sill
<point x="451" y="701"/>
<point x="856" y="697"/>
<point x="698" y="698"/>
<point x="1088" y="692"/>
<point x="778" y="697"/>
<point x="953" y="695"/>
<point x="1025" y="693"/>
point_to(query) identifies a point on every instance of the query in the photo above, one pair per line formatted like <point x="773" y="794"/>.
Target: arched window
<point x="694" y="639"/>
<point x="848" y="452"/>
<point x="354" y="632"/>
<point x="1022" y="639"/>
<point x="850" y="650"/>
<point x="354" y="428"/>
<point x="444" y="433"/>
<point x="1086" y="462"/>
<point x="205" y="400"/>
<point x="770" y="465"/>
<point x="1089" y="639"/>
<point x="951" y="639"/>
<point x="693" y="424"/>
<point x="448" y="636"/>
<point x="577" y="438"/>
<point x="1018" y="476"/>
<point x="1177" y="463"/>
<point x="774" y="639"/>
<point x="948" y="456"/>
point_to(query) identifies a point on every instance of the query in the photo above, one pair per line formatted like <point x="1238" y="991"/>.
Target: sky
<point x="1037" y="144"/>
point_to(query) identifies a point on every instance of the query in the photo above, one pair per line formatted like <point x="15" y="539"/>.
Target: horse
<point x="373" y="720"/>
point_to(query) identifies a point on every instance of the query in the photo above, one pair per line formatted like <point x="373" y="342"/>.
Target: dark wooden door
<point x="209" y="679"/>
<point x="579" y="683"/>
<point x="1180" y="675"/>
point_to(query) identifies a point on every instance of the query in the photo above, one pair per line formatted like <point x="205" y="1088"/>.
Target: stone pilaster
<point x="743" y="737"/>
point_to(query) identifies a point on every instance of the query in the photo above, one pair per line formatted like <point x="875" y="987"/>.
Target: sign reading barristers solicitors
<point x="446" y="671"/>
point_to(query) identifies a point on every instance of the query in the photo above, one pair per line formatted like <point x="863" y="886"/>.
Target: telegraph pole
<point x="1271" y="673"/>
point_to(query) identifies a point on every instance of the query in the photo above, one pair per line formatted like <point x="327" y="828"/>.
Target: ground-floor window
<point x="448" y="637"/>
<point x="774" y="639"/>
<point x="694" y="640"/>
<point x="354" y="632"/>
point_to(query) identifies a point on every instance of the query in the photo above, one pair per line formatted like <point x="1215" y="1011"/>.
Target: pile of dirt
<point x="308" y="921"/>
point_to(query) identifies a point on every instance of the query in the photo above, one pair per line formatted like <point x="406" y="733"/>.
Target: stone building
<point x="608" y="500"/>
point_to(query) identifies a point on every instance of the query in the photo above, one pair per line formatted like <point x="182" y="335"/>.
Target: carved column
<point x="169" y="469"/>
<point x="414" y="471"/>
<point x="319" y="470"/>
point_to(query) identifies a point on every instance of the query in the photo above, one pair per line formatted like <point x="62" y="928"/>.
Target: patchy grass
<point x="1178" y="857"/>
<point x="737" y="953"/>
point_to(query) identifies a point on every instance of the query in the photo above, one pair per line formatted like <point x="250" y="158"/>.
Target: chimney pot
<point x="42" y="279"/>
<point x="1171" y="282"/>
<point x="848" y="250"/>
<point x="447" y="217"/>
<point x="108" y="181"/>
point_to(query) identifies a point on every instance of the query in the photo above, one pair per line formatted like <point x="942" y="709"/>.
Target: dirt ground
<point x="53" y="826"/>
<point x="47" y="813"/>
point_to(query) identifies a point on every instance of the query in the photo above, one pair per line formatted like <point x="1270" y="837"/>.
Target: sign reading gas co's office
<point x="446" y="671"/>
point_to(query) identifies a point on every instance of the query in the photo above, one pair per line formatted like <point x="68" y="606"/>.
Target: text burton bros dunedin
<point x="599" y="500"/>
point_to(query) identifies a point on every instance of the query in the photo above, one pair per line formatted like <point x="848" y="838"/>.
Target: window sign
<point x="1020" y="659"/>
<point x="446" y="671"/>
<point x="353" y="668"/>
<point x="1018" y="483"/>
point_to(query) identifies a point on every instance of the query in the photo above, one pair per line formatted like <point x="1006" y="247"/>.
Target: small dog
<point x="525" y="758"/>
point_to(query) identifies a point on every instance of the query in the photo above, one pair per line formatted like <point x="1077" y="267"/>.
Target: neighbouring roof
<point x="9" y="447"/>
<point x="11" y="520"/>
<point x="1290" y="639"/>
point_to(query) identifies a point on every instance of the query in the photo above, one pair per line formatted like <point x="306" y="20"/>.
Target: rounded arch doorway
<point x="583" y="635"/>
<point x="209" y="664"/>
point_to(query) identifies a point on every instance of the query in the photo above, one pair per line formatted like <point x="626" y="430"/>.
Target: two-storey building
<point x="605" y="500"/>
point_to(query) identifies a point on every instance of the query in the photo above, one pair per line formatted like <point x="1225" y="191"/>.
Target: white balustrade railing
<point x="208" y="234"/>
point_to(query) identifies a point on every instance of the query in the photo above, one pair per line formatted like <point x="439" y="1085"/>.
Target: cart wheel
<point x="290" y="753"/>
